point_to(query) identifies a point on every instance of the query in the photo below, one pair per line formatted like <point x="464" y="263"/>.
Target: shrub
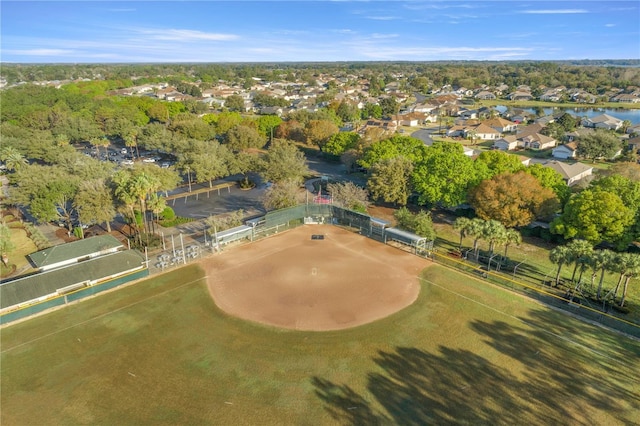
<point x="167" y="214"/>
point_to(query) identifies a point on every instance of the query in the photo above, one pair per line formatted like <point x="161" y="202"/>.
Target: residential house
<point x="484" y="95"/>
<point x="571" y="173"/>
<point x="633" y="144"/>
<point x="482" y="131"/>
<point x="468" y="114"/>
<point x="538" y="141"/>
<point x="520" y="96"/>
<point x="566" y="151"/>
<point x="501" y="125"/>
<point x="626" y="97"/>
<point x="633" y="130"/>
<point x="602" y="121"/>
<point x="506" y="143"/>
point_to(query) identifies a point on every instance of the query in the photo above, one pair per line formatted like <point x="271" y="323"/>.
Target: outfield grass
<point x="160" y="352"/>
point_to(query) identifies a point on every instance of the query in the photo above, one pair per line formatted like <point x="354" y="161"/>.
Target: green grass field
<point x="160" y="352"/>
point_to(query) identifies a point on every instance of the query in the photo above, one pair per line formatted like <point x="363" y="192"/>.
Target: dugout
<point x="242" y="232"/>
<point x="417" y="244"/>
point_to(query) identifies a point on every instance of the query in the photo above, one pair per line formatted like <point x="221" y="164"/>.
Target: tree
<point x="6" y="245"/>
<point x="267" y="125"/>
<point x="512" y="236"/>
<point x="579" y="253"/>
<point x="560" y="255"/>
<point x="599" y="144"/>
<point x="389" y="106"/>
<point x="475" y="229"/>
<point x="494" y="233"/>
<point x="338" y="143"/>
<point x="13" y="159"/>
<point x="98" y="142"/>
<point x="551" y="179"/>
<point x="234" y="103"/>
<point x="405" y="146"/>
<point x="285" y="193"/>
<point x="444" y="175"/>
<point x="243" y="137"/>
<point x="600" y="261"/>
<point x="632" y="270"/>
<point x="583" y="217"/>
<point x="404" y="218"/>
<point x="423" y="225"/>
<point x="131" y="141"/>
<point x="371" y="111"/>
<point x="513" y="199"/>
<point x="283" y="161"/>
<point x="94" y="203"/>
<point x="349" y="196"/>
<point x="318" y="132"/>
<point x="390" y="180"/>
<point x="462" y="225"/>
<point x="492" y="163"/>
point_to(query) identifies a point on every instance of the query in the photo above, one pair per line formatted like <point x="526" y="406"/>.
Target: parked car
<point x="148" y="160"/>
<point x="127" y="163"/>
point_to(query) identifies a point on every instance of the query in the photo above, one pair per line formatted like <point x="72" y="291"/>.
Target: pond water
<point x="633" y="115"/>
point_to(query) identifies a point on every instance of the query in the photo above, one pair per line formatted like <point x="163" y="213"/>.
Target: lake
<point x="633" y="115"/>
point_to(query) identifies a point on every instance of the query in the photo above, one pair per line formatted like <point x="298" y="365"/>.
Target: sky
<point x="316" y="31"/>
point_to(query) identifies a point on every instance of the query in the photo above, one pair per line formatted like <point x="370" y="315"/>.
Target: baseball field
<point x="295" y="330"/>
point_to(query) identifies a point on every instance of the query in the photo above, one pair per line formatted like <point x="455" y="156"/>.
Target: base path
<point x="293" y="281"/>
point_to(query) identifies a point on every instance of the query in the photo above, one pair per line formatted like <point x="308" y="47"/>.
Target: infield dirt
<point x="292" y="281"/>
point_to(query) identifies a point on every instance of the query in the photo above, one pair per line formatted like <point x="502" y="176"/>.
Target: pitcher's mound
<point x="292" y="281"/>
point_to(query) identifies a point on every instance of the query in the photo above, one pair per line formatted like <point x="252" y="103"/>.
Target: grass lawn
<point x="23" y="246"/>
<point x="161" y="352"/>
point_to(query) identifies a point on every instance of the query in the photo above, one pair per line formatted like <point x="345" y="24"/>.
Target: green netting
<point x="352" y="219"/>
<point x="31" y="310"/>
<point x="89" y="291"/>
<point x="70" y="297"/>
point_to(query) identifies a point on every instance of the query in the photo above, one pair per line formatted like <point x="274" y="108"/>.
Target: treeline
<point x="592" y="76"/>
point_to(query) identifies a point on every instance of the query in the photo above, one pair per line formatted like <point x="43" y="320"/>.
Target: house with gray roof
<point x="602" y="121"/>
<point x="571" y="173"/>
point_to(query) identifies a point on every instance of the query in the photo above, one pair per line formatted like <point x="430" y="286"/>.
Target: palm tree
<point x="579" y="251"/>
<point x="560" y="255"/>
<point x="13" y="159"/>
<point x="600" y="261"/>
<point x="494" y="232"/>
<point x="131" y="140"/>
<point x="462" y="224"/>
<point x="98" y="142"/>
<point x="475" y="230"/>
<point x="633" y="270"/>
<point x="511" y="237"/>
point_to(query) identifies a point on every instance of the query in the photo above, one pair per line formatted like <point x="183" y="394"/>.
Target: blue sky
<point x="340" y="30"/>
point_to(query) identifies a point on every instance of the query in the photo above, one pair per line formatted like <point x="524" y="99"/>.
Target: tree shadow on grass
<point x="415" y="387"/>
<point x="551" y="385"/>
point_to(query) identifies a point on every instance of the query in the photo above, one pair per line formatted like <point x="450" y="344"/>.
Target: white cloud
<point x="554" y="11"/>
<point x="609" y="25"/>
<point x="381" y="36"/>
<point x="186" y="35"/>
<point x="382" y="18"/>
<point x="40" y="52"/>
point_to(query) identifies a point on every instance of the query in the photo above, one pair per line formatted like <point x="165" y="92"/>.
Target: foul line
<point x="102" y="315"/>
<point x="520" y="319"/>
